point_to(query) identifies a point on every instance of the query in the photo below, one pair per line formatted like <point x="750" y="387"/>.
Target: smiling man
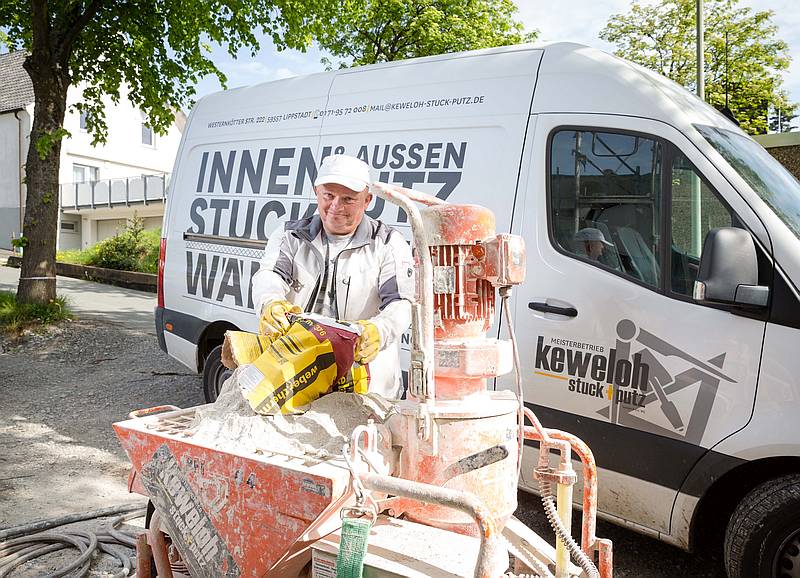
<point x="342" y="264"/>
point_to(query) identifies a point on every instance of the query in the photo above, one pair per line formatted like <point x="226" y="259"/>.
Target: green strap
<point x="352" y="547"/>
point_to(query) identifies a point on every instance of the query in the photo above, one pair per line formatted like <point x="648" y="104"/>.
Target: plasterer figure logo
<point x="661" y="384"/>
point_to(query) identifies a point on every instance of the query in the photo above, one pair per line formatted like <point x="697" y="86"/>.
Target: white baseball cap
<point x="344" y="170"/>
<point x="592" y="234"/>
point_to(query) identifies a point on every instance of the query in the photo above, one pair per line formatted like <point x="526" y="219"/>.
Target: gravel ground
<point x="61" y="392"/>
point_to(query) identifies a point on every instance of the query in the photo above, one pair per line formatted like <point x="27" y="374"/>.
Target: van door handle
<point x="544" y="307"/>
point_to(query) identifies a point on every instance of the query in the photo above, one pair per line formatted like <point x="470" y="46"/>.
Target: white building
<point x="100" y="186"/>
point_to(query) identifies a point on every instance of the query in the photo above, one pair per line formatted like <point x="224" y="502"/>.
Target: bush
<point x="76" y="256"/>
<point x="14" y="317"/>
<point x="134" y="249"/>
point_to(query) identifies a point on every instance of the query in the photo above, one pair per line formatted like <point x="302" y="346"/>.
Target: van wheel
<point x="763" y="536"/>
<point x="214" y="374"/>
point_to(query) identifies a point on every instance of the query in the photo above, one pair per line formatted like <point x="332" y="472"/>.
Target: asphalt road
<point x="133" y="309"/>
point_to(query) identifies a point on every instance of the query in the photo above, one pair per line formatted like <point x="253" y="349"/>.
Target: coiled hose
<point x="108" y="539"/>
<point x="549" y="503"/>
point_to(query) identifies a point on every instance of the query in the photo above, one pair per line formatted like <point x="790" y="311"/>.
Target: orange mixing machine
<point x="437" y="473"/>
<point x="453" y="430"/>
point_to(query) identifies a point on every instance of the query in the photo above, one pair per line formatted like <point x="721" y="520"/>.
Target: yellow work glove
<point x="273" y="317"/>
<point x="369" y="342"/>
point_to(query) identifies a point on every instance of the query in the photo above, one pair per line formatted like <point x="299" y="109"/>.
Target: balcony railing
<point x="140" y="190"/>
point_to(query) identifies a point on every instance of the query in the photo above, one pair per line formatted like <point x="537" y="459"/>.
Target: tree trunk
<point x="37" y="282"/>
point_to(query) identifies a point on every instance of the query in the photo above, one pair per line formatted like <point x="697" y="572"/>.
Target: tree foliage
<point x="363" y="32"/>
<point x="742" y="51"/>
<point x="154" y="51"/>
<point x="782" y="120"/>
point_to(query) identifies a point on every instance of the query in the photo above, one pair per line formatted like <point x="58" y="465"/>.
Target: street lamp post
<point x="697" y="209"/>
<point x="700" y="58"/>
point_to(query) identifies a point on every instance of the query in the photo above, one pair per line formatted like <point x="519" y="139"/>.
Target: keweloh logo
<point x="629" y="383"/>
<point x="243" y="193"/>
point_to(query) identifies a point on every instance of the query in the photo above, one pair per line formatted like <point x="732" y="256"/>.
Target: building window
<point x="147" y="132"/>
<point x="84" y="173"/>
<point x="68" y="226"/>
<point x="84" y="118"/>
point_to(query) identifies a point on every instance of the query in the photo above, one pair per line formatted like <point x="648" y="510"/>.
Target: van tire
<point x="214" y="374"/>
<point x="763" y="536"/>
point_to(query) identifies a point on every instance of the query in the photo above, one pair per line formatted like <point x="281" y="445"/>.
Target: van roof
<point x="572" y="78"/>
<point x="576" y="78"/>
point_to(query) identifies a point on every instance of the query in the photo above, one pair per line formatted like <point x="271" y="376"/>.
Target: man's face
<point x="341" y="209"/>
<point x="594" y="249"/>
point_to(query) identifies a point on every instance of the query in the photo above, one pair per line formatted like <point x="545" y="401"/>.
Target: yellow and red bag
<point x="311" y="359"/>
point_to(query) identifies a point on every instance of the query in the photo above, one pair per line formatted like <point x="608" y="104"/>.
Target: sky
<point x="570" y="20"/>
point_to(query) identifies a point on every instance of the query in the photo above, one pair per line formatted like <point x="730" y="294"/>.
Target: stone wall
<point x="788" y="156"/>
<point x="130" y="279"/>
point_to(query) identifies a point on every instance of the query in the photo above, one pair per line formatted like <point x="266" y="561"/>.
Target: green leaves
<point x="362" y="32"/>
<point x="45" y="143"/>
<point x="742" y="53"/>
<point x="153" y="51"/>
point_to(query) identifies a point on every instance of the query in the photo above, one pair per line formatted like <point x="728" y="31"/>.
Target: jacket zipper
<point x="313" y="299"/>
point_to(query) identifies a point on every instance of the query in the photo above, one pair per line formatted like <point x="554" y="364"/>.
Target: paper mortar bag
<point x="311" y="359"/>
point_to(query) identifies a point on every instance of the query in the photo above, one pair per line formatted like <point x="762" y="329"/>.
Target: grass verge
<point x="16" y="317"/>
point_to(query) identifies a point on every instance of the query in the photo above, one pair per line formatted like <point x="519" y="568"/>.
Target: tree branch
<point x="67" y="42"/>
<point x="40" y="27"/>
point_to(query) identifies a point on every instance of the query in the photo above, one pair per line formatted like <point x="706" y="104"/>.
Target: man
<point x="342" y="264"/>
<point x="592" y="243"/>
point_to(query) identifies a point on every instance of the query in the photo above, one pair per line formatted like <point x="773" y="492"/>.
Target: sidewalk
<point x="131" y="308"/>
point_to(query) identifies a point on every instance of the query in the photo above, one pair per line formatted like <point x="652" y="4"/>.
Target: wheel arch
<point x="212" y="335"/>
<point x="718" y="502"/>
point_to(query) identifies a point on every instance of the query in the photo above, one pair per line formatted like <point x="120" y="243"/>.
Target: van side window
<point x="605" y="200"/>
<point x="696" y="209"/>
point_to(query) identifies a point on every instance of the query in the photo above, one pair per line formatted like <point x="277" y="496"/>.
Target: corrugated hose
<point x="549" y="503"/>
<point x="24" y="543"/>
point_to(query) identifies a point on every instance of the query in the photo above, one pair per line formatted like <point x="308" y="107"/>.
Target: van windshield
<point x="768" y="178"/>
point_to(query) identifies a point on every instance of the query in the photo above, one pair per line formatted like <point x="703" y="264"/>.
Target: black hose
<point x="107" y="539"/>
<point x="47" y="523"/>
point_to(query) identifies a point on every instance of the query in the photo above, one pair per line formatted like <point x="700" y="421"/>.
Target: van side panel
<point x="247" y="164"/>
<point x="251" y="156"/>
<point x="453" y="128"/>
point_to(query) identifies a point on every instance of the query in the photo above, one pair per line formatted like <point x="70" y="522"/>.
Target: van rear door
<point x="614" y="349"/>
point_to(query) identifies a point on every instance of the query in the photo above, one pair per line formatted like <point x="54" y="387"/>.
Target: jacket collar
<point x="310" y="228"/>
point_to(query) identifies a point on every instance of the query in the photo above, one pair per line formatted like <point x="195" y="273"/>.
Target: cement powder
<point x="328" y="422"/>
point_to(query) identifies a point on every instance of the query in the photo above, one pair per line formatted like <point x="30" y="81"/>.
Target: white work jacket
<point x="373" y="280"/>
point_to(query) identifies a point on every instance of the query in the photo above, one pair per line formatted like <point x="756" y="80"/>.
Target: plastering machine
<point x="426" y="486"/>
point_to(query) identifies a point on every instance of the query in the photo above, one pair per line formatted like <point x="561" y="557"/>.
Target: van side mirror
<point x="729" y="270"/>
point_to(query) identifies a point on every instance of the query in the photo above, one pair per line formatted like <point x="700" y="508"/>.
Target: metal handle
<point x="137" y="413"/>
<point x="544" y="307"/>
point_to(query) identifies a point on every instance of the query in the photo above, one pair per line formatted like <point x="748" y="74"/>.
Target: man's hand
<point x="369" y="342"/>
<point x="273" y="316"/>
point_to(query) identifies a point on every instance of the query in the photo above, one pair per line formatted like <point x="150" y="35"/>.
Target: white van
<point x="687" y="393"/>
